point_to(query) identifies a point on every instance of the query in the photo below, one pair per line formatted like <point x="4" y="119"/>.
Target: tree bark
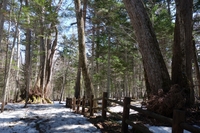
<point x="196" y="65"/>
<point x="9" y="63"/>
<point x="154" y="65"/>
<point x="82" y="53"/>
<point x="27" y="58"/>
<point x="16" y="91"/>
<point x="108" y="69"/>
<point x="168" y="7"/>
<point x="85" y="3"/>
<point x="51" y="48"/>
<point x="2" y="17"/>
<point x="182" y="49"/>
<point x="63" y="84"/>
<point x="43" y="54"/>
<point x="78" y="83"/>
<point x="126" y="87"/>
<point x="6" y="73"/>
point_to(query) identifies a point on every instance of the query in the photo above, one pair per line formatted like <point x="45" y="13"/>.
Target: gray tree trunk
<point x="51" y="48"/>
<point x="108" y="68"/>
<point x="43" y="55"/>
<point x="196" y="65"/>
<point x="126" y="87"/>
<point x="2" y="18"/>
<point x="182" y="49"/>
<point x="16" y="91"/>
<point x="156" y="71"/>
<point x="27" y="58"/>
<point x="9" y="64"/>
<point x="82" y="53"/>
<point x="78" y="83"/>
<point x="63" y="85"/>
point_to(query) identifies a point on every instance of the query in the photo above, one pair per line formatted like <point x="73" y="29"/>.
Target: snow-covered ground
<point x="43" y="118"/>
<point x="54" y="118"/>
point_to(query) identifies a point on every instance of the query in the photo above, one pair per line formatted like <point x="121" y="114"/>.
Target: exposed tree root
<point x="37" y="99"/>
<point x="165" y="103"/>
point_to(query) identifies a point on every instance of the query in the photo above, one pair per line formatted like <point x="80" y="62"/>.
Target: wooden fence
<point x="178" y="122"/>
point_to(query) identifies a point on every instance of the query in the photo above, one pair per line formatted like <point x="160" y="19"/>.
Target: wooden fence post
<point x="74" y="103"/>
<point x="178" y="117"/>
<point x="91" y="105"/>
<point x="83" y="105"/>
<point x="104" y="104"/>
<point x="66" y="104"/>
<point x="126" y="110"/>
<point x="78" y="104"/>
<point x="70" y="102"/>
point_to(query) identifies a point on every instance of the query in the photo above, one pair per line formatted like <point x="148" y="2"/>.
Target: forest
<point x="143" y="49"/>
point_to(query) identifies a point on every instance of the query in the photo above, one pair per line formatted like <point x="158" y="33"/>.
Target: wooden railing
<point x="178" y="122"/>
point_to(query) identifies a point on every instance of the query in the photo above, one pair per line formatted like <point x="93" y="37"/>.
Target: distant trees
<point x="46" y="35"/>
<point x="113" y="56"/>
<point x="32" y="27"/>
<point x="9" y="57"/>
<point x="65" y="68"/>
<point x="103" y="55"/>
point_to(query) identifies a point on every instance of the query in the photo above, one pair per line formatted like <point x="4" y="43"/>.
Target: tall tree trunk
<point x="92" y="61"/>
<point x="154" y="65"/>
<point x="5" y="76"/>
<point x="168" y="7"/>
<point x="78" y="83"/>
<point x="9" y="63"/>
<point x="51" y="48"/>
<point x="27" y="64"/>
<point x="196" y="65"/>
<point x="27" y="58"/>
<point x="82" y="53"/>
<point x="126" y="87"/>
<point x="108" y="68"/>
<point x="43" y="52"/>
<point x="47" y="31"/>
<point x="182" y="49"/>
<point x="16" y="91"/>
<point x="133" y="79"/>
<point x="97" y="53"/>
<point x="63" y="86"/>
<point x="2" y="18"/>
<point x="85" y="3"/>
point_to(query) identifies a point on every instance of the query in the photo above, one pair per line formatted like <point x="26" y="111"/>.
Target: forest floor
<point x="112" y="124"/>
<point x="45" y="118"/>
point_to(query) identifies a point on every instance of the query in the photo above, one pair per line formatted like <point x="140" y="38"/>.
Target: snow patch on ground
<point x="154" y="129"/>
<point x="45" y="118"/>
<point x="162" y="129"/>
<point x="54" y="118"/>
